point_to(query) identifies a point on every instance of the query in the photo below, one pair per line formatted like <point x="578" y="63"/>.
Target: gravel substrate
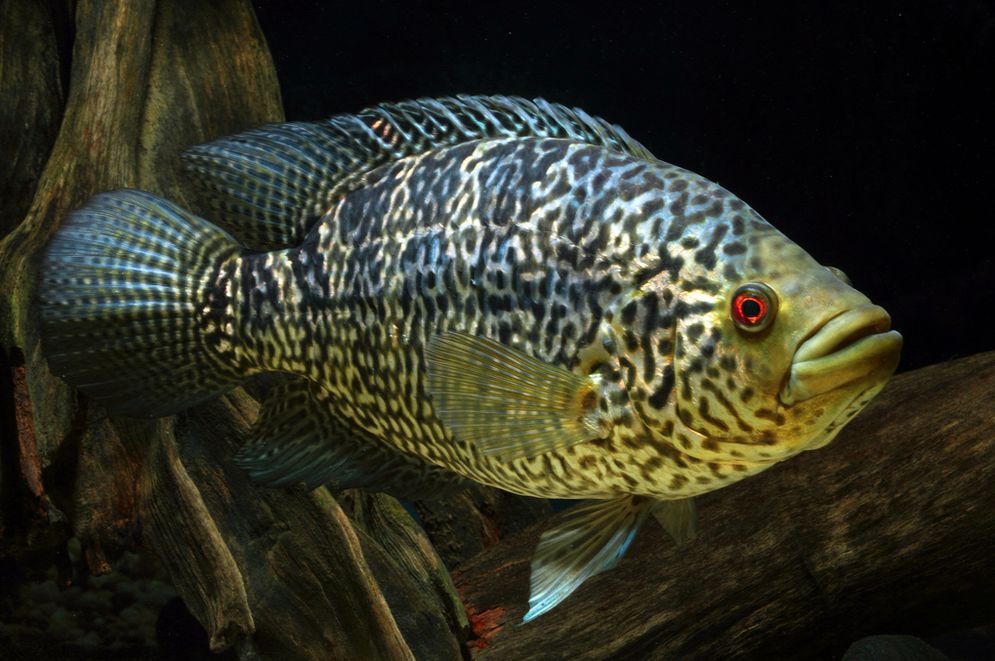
<point x="110" y="616"/>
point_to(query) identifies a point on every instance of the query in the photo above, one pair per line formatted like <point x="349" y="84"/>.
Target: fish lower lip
<point x="847" y="348"/>
<point x="843" y="329"/>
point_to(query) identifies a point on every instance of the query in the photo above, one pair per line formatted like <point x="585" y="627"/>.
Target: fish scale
<point x="483" y="288"/>
<point x="460" y="241"/>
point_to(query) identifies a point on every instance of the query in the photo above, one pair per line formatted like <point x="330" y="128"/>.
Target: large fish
<point x="476" y="287"/>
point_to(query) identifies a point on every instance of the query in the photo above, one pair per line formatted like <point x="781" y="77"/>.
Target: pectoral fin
<point x="507" y="402"/>
<point x="298" y="438"/>
<point x="588" y="540"/>
<point x="679" y="518"/>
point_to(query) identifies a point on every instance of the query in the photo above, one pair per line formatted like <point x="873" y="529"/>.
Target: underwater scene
<point x="497" y="332"/>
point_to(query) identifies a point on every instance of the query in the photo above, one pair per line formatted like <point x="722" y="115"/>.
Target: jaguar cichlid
<point x="483" y="288"/>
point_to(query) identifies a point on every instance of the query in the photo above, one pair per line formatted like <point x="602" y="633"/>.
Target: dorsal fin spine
<point x="269" y="185"/>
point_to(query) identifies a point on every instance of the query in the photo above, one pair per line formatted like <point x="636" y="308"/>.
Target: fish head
<point x="770" y="353"/>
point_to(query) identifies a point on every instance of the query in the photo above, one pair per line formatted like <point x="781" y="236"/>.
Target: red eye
<point x="750" y="309"/>
<point x="754" y="306"/>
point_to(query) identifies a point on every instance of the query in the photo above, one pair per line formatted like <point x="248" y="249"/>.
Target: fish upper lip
<point x="842" y="330"/>
<point x="847" y="347"/>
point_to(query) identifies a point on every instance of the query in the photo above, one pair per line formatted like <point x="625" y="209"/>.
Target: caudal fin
<point x="131" y="309"/>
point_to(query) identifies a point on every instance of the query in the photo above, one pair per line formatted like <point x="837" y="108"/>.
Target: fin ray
<point x="269" y="185"/>
<point x="122" y="287"/>
<point x="506" y="402"/>
<point x="679" y="518"/>
<point x="590" y="539"/>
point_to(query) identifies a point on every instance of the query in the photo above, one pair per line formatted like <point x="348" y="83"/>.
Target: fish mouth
<point x="848" y="347"/>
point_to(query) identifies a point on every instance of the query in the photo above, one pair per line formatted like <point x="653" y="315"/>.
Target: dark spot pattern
<point x="576" y="254"/>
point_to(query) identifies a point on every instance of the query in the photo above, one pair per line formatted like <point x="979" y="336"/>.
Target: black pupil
<point x="751" y="308"/>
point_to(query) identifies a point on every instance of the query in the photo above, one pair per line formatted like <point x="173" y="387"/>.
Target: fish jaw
<point x="853" y="346"/>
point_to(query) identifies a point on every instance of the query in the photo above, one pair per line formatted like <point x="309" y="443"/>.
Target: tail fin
<point x="127" y="310"/>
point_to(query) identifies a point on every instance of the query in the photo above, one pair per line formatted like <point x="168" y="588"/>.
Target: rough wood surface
<point x="396" y="546"/>
<point x="31" y="88"/>
<point x="890" y="528"/>
<point x="466" y="523"/>
<point x="311" y="590"/>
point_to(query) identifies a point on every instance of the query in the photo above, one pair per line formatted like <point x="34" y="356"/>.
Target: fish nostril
<point x="840" y="274"/>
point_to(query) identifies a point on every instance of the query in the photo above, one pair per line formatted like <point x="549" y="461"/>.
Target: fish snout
<point x="850" y="347"/>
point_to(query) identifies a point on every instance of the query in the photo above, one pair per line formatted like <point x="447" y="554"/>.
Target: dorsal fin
<point x="271" y="184"/>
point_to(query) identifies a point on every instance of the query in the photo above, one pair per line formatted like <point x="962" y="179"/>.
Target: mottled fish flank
<point x="480" y="288"/>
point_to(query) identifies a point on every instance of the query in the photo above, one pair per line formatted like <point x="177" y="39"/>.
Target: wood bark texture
<point x="890" y="528"/>
<point x="30" y="77"/>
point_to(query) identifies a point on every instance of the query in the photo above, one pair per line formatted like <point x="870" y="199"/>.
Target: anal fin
<point x="679" y="518"/>
<point x="588" y="540"/>
<point x="298" y="438"/>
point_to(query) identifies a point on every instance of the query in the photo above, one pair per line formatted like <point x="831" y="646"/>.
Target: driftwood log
<point x="890" y="528"/>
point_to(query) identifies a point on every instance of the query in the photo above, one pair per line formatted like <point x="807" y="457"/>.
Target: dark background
<point x="862" y="130"/>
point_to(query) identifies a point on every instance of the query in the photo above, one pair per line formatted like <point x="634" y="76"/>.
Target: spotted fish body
<point x="538" y="244"/>
<point x="507" y="291"/>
